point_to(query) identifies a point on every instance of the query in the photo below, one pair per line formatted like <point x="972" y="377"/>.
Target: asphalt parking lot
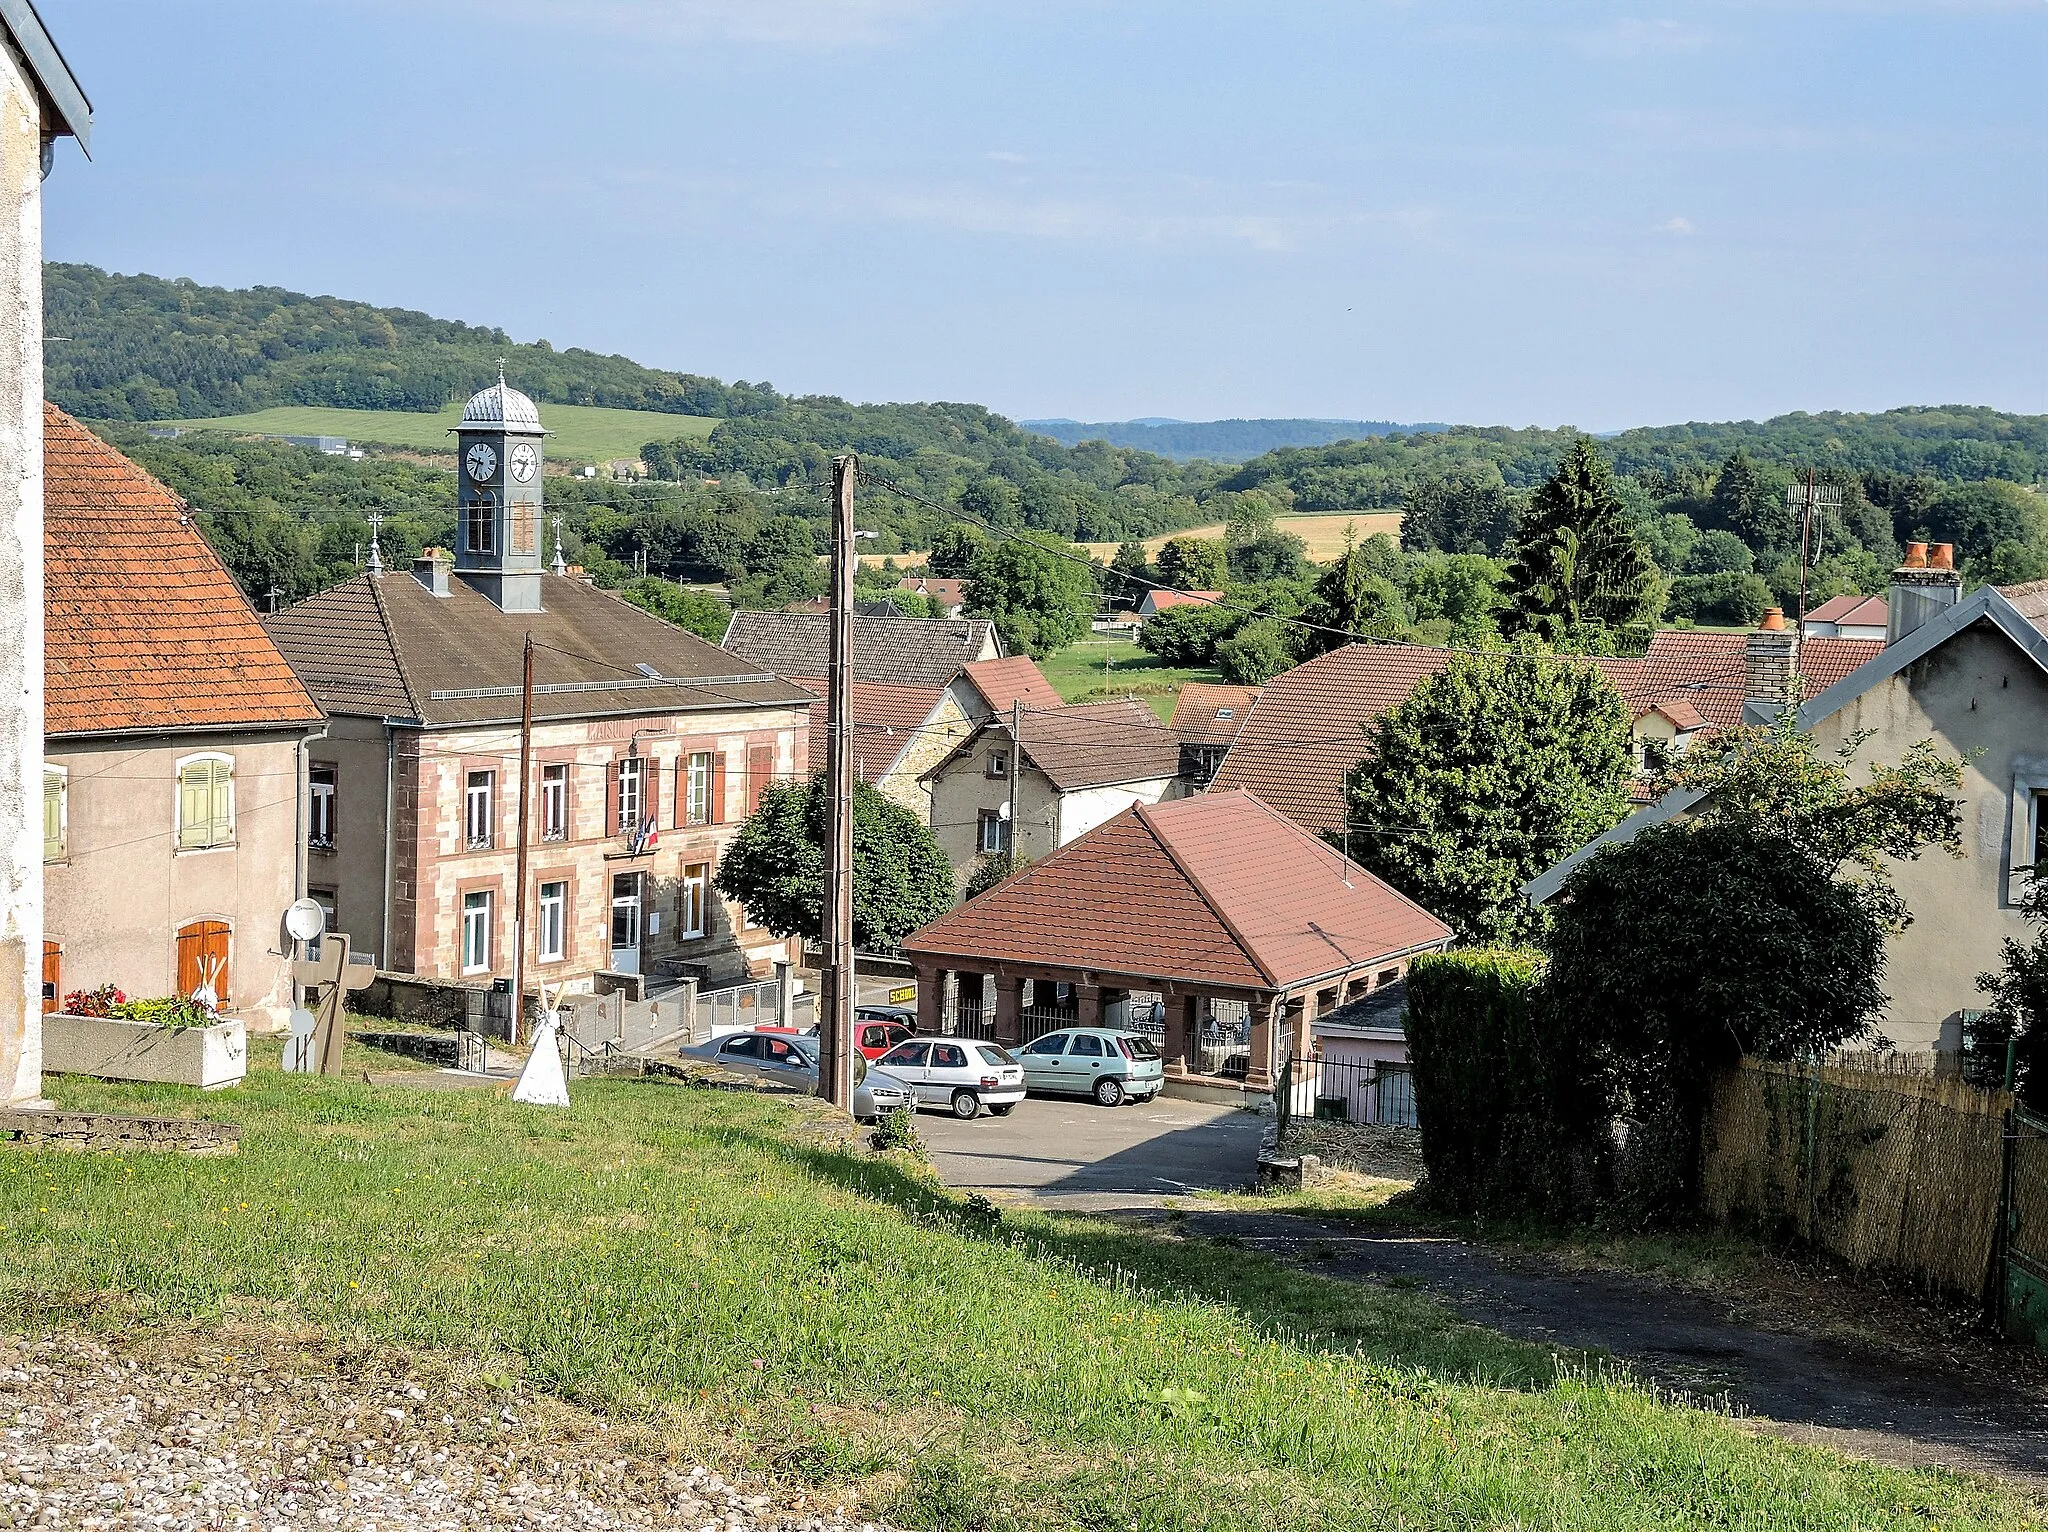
<point x="1082" y="1156"/>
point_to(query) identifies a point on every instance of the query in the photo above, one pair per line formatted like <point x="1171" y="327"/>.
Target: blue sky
<point x="1603" y="215"/>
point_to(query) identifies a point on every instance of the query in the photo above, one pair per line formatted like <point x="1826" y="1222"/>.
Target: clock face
<point x="523" y="460"/>
<point x="482" y="461"/>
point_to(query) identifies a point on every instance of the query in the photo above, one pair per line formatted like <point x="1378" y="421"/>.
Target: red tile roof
<point x="1709" y="670"/>
<point x="1217" y="889"/>
<point x="1160" y="600"/>
<point x="945" y="590"/>
<point x="1016" y="679"/>
<point x="885" y="722"/>
<point x="1858" y="611"/>
<point x="1680" y="712"/>
<point x="1199" y="712"/>
<point x="143" y="626"/>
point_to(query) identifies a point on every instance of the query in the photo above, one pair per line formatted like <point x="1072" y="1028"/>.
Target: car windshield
<point x="991" y="1054"/>
<point x="1138" y="1047"/>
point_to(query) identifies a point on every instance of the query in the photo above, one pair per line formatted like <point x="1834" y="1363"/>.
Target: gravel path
<point x="151" y="1438"/>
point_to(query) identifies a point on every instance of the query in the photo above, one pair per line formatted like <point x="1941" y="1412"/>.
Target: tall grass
<point x="691" y="1258"/>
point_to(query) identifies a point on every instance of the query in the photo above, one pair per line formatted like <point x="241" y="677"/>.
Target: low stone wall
<point x="1364" y="1148"/>
<point x="106" y="1132"/>
<point x="450" y="1050"/>
<point x="449" y="1003"/>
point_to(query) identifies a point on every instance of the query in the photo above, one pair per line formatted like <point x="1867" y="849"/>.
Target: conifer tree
<point x="1580" y="578"/>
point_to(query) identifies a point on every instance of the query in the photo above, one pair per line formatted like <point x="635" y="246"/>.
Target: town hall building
<point x="650" y="747"/>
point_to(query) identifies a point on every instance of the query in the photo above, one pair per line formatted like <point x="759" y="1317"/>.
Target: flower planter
<point x="208" y="1057"/>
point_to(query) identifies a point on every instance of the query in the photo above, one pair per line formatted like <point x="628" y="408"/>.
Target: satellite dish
<point x="305" y="920"/>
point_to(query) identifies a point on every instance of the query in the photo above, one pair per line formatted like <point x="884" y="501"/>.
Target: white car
<point x="777" y="1058"/>
<point x="961" y="1073"/>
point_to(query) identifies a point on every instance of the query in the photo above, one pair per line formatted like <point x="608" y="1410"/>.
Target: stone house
<point x="650" y="747"/>
<point x="1069" y="770"/>
<point x="174" y="749"/>
<point x="1972" y="676"/>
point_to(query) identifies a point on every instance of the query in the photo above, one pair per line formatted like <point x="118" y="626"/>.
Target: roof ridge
<point x="1208" y="898"/>
<point x="412" y="696"/>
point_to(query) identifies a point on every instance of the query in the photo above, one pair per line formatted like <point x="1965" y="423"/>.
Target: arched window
<point x="206" y="802"/>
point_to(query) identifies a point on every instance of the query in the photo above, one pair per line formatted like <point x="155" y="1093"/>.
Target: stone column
<point x="1009" y="1010"/>
<point x="931" y="997"/>
<point x="1088" y="1005"/>
<point x="1263" y="1015"/>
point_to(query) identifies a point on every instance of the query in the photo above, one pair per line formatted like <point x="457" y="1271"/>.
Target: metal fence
<point x="1347" y="1090"/>
<point x="740" y="1006"/>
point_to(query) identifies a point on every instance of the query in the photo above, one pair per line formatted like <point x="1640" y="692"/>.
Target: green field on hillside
<point x="717" y="1268"/>
<point x="1104" y="666"/>
<point x="580" y="432"/>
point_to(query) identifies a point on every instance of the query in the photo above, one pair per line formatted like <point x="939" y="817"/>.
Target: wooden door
<point x="53" y="977"/>
<point x="203" y="950"/>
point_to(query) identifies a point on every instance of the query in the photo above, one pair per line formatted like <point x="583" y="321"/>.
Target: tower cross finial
<point x="376" y="553"/>
<point x="561" y="565"/>
<point x="501" y="372"/>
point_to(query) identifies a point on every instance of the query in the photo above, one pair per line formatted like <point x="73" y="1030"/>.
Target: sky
<point x="1578" y="213"/>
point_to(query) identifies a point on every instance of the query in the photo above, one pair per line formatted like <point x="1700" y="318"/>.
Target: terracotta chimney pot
<point x="1942" y="556"/>
<point x="1916" y="556"/>
<point x="1774" y="621"/>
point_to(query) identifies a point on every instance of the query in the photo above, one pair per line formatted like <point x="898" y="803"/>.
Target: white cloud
<point x="1628" y="38"/>
<point x="1680" y="225"/>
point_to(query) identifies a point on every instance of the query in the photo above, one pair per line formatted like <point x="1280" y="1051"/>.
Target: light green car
<point x="1102" y="1062"/>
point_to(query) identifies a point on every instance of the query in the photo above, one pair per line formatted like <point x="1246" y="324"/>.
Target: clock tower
<point x="499" y="503"/>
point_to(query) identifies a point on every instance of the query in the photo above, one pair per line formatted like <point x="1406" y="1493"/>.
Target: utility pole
<point x="835" y="1027"/>
<point x="519" y="887"/>
<point x="1016" y="767"/>
<point x="1812" y="499"/>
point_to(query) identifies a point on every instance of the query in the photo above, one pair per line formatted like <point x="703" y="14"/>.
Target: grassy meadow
<point x="1102" y="666"/>
<point x="578" y="431"/>
<point x="712" y="1268"/>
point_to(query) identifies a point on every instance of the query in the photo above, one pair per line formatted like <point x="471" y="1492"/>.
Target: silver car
<point x="778" y="1058"/>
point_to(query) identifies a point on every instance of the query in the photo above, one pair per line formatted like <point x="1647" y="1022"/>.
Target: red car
<point x="875" y="1038"/>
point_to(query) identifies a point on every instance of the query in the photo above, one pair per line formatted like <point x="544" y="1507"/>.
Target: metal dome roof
<point x="501" y="405"/>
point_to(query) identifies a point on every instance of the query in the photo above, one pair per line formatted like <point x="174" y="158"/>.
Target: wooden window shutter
<point x="53" y="976"/>
<point x="718" y="787"/>
<point x="650" y="795"/>
<point x="760" y="772"/>
<point x="611" y="798"/>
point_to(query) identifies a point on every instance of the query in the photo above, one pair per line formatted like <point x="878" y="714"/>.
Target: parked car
<point x="1109" y="1065"/>
<point x="776" y="1058"/>
<point x="957" y="1072"/>
<point x="876" y="1031"/>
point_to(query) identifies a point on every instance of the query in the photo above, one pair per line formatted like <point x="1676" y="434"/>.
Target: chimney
<point x="431" y="570"/>
<point x="1771" y="664"/>
<point x="1923" y="587"/>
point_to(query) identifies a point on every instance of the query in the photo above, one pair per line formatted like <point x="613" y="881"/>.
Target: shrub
<point x="174" y="1011"/>
<point x="1732" y="600"/>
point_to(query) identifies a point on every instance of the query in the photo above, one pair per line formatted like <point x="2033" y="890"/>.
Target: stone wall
<point x="106" y="1132"/>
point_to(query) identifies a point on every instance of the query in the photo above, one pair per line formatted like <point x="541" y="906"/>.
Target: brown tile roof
<point x="1861" y="611"/>
<point x="2029" y="600"/>
<point x="894" y="651"/>
<point x="385" y="646"/>
<point x="1160" y="600"/>
<point x="942" y="589"/>
<point x="885" y="723"/>
<point x="143" y="626"/>
<point x="1198" y="712"/>
<point x="1683" y="716"/>
<point x="1098" y="743"/>
<point x="1217" y="889"/>
<point x="1308" y="727"/>
<point x="1015" y="679"/>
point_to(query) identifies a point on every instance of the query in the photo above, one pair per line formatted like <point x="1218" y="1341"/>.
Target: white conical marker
<point x="543" y="1082"/>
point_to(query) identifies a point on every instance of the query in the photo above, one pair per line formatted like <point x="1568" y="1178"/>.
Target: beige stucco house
<point x="173" y="758"/>
<point x="1072" y="769"/>
<point x="1971" y="675"/>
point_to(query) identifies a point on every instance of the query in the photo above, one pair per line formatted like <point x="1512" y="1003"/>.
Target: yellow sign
<point x="904" y="995"/>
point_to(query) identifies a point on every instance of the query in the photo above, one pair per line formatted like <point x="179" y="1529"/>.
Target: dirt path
<point x="1871" y="1403"/>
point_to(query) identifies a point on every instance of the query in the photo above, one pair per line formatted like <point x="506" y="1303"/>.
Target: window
<point x="320" y="808"/>
<point x="1226" y="712"/>
<point x="476" y="932"/>
<point x="1385" y="977"/>
<point x="206" y="802"/>
<point x="999" y="763"/>
<point x="554" y="803"/>
<point x="909" y="1056"/>
<point x="552" y="935"/>
<point x="56" y="808"/>
<point x="746" y="1047"/>
<point x="479" y="520"/>
<point x="476" y="811"/>
<point x="993" y="1056"/>
<point x="1137" y="1047"/>
<point x="1048" y="1047"/>
<point x="697" y="789"/>
<point x="632" y="774"/>
<point x="696" y="884"/>
<point x="995" y="832"/>
<point x="948" y="1056"/>
<point x="1086" y="1046"/>
<point x="324" y="897"/>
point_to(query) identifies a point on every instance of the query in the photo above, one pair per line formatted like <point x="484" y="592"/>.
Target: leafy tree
<point x="2017" y="1014"/>
<point x="993" y="500"/>
<point x="1978" y="517"/>
<point x="1255" y="653"/>
<point x="1194" y="563"/>
<point x="912" y="603"/>
<point x="1464" y="512"/>
<point x="993" y="869"/>
<point x="1751" y="503"/>
<point x="1248" y="516"/>
<point x="1188" y="635"/>
<point x="1356" y="597"/>
<point x="1463" y="591"/>
<point x="1669" y="540"/>
<point x="955" y="549"/>
<point x="1719" y="553"/>
<point x="775" y="866"/>
<point x="690" y="610"/>
<point x="1039" y="597"/>
<point x="1484" y="776"/>
<point x="1269" y="556"/>
<point x="1720" y="600"/>
<point x="1579" y="578"/>
<point x="1130" y="576"/>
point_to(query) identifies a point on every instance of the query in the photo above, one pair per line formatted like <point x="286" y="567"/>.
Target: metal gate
<point x="2024" y="1296"/>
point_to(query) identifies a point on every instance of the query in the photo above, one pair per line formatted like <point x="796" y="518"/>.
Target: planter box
<point x="208" y="1057"/>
